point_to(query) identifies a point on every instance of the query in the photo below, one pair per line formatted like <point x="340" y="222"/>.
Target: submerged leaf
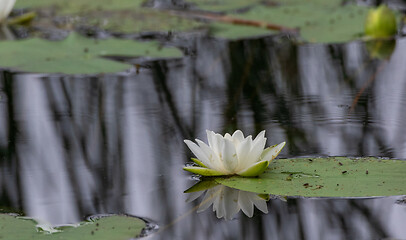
<point x="327" y="177"/>
<point x="77" y="54"/>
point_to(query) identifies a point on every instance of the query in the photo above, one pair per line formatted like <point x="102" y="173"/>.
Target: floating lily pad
<point x="317" y="23"/>
<point x="77" y="54"/>
<point x="233" y="5"/>
<point x="327" y="177"/>
<point x="117" y="227"/>
<point x="77" y="6"/>
<point x="119" y="16"/>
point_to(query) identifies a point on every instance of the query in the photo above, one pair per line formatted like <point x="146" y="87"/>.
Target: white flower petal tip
<point x="232" y="154"/>
<point x="271" y="152"/>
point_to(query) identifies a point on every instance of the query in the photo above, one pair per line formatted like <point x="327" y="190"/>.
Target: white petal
<point x="238" y="137"/>
<point x="213" y="159"/>
<point x="246" y="205"/>
<point x="243" y="151"/>
<point x="228" y="136"/>
<point x="210" y="138"/>
<point x="229" y="155"/>
<point x="219" y="142"/>
<point x="259" y="137"/>
<point x="198" y="152"/>
<point x="256" y="150"/>
<point x="215" y="142"/>
<point x="270" y="153"/>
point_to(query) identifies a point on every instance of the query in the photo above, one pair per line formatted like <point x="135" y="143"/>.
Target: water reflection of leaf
<point x="226" y="201"/>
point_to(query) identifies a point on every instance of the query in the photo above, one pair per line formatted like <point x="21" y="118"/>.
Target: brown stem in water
<point x="236" y="21"/>
<point x="365" y="86"/>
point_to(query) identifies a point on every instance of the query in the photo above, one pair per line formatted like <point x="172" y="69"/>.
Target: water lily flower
<point x="5" y="8"/>
<point x="232" y="154"/>
<point x="227" y="201"/>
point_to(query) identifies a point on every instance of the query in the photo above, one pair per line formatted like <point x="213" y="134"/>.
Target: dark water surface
<point x="76" y="146"/>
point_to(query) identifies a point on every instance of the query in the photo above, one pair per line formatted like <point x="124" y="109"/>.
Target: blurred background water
<point x="72" y="146"/>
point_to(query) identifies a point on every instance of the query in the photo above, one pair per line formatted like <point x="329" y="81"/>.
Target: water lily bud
<point x="5" y="8"/>
<point x="380" y="22"/>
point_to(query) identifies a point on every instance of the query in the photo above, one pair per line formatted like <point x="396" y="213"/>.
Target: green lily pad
<point x="117" y="227"/>
<point x="317" y="23"/>
<point x="76" y="6"/>
<point x="233" y="5"/>
<point x="77" y="54"/>
<point x="119" y="16"/>
<point x="327" y="177"/>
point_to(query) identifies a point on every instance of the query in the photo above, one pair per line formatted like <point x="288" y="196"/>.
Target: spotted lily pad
<point x="327" y="177"/>
<point x="77" y="54"/>
<point x="117" y="227"/>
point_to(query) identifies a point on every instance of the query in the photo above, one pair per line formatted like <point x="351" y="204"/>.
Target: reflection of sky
<point x="86" y="146"/>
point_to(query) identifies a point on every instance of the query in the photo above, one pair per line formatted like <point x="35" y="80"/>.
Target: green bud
<point x="380" y="22"/>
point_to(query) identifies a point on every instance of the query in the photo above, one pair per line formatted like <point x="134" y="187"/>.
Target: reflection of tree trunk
<point x="240" y="66"/>
<point x="160" y="78"/>
<point x="10" y="153"/>
<point x="376" y="229"/>
<point x="67" y="129"/>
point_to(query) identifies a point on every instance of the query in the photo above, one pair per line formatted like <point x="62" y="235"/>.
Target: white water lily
<point x="227" y="202"/>
<point x="5" y="8"/>
<point x="232" y="154"/>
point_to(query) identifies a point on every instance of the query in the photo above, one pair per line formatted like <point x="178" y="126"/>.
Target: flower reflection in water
<point x="227" y="201"/>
